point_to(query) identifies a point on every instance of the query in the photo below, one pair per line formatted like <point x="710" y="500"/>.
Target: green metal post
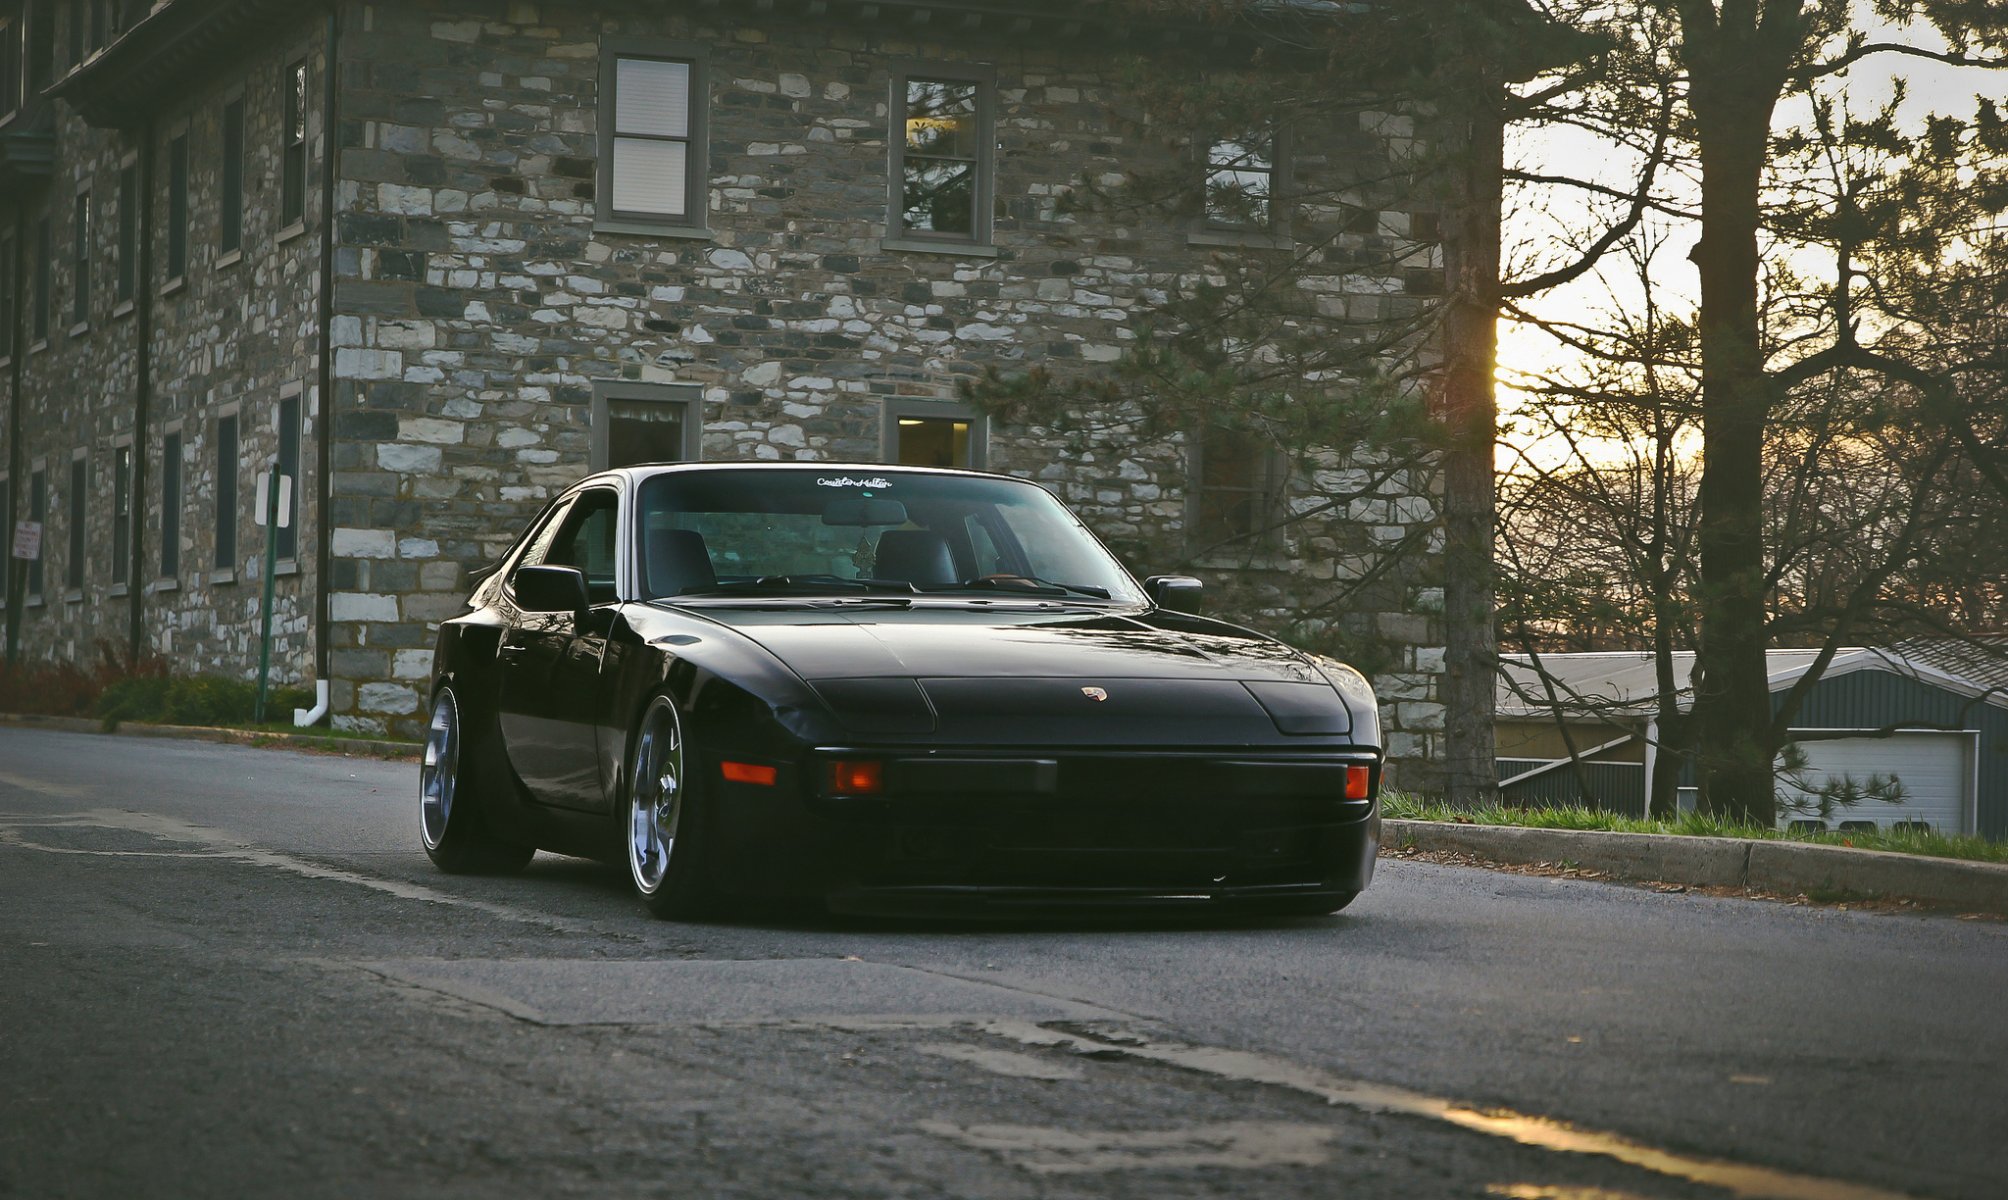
<point x="17" y="578"/>
<point x="271" y="568"/>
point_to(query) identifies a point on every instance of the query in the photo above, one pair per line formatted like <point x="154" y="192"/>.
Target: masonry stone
<point x="476" y="305"/>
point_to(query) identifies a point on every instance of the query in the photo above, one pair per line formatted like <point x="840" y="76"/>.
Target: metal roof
<point x="1624" y="682"/>
<point x="1983" y="663"/>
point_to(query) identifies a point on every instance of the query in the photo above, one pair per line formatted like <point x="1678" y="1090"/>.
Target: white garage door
<point x="1932" y="767"/>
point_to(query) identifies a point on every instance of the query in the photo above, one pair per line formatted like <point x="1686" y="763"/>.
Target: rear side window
<point x="539" y="549"/>
<point x="581" y="536"/>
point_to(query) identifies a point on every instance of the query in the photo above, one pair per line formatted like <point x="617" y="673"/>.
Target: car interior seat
<point x="916" y="556"/>
<point x="678" y="562"/>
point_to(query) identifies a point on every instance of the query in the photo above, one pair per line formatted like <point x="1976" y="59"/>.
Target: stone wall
<point x="479" y="305"/>
<point x="477" y="308"/>
<point x="229" y="335"/>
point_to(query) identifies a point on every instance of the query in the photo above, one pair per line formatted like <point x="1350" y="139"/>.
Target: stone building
<point x="437" y="259"/>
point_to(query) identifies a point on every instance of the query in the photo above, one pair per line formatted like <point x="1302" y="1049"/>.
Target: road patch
<point x="1249" y="1145"/>
<point x="811" y="991"/>
<point x="190" y="841"/>
<point x="1741" y="1180"/>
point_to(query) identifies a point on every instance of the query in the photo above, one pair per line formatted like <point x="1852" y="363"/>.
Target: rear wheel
<point x="663" y="827"/>
<point x="450" y="821"/>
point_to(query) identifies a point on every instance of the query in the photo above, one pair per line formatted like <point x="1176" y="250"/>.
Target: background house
<point x="1932" y="714"/>
<point x="435" y="260"/>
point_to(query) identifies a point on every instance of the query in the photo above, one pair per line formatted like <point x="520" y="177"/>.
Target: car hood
<point x="987" y="674"/>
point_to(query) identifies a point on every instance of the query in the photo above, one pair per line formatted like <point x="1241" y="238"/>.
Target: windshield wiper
<point x="804" y="583"/>
<point x="1029" y="585"/>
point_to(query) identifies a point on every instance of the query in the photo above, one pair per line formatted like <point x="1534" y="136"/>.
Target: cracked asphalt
<point x="232" y="972"/>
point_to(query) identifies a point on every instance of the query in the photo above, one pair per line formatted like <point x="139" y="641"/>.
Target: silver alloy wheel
<point x="655" y="796"/>
<point x="439" y="770"/>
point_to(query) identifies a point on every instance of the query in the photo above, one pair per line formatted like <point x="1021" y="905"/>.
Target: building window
<point x="289" y="466"/>
<point x="6" y="536"/>
<point x="45" y="272"/>
<point x="1235" y="491"/>
<point x="227" y="500"/>
<point x="121" y="513"/>
<point x="38" y="512"/>
<point x="103" y="27"/>
<point x="177" y="207"/>
<point x="80" y="482"/>
<point x="128" y="248"/>
<point x="10" y="64"/>
<point x="293" y="154"/>
<point x="932" y="433"/>
<point x="230" y="198"/>
<point x="645" y="423"/>
<point x="40" y="66"/>
<point x="1241" y="175"/>
<point x="170" y="505"/>
<point x="652" y="139"/>
<point x="941" y="162"/>
<point x="80" y="262"/>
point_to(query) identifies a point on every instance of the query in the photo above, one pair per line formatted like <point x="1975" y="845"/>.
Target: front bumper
<point x="1136" y="829"/>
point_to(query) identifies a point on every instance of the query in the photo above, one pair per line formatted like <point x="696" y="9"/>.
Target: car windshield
<point x="843" y="531"/>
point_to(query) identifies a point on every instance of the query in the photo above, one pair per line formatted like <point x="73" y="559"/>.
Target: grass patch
<point x="116" y="688"/>
<point x="194" y="700"/>
<point x="1402" y="806"/>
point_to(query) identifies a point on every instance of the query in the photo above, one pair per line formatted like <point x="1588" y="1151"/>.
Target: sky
<point x="1931" y="87"/>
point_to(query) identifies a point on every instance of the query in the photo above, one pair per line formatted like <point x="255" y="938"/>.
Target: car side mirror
<point x="1179" y="593"/>
<point x="550" y="589"/>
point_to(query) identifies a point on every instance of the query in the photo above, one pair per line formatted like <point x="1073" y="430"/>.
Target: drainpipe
<point x="1651" y="760"/>
<point x="324" y="405"/>
<point x="136" y="579"/>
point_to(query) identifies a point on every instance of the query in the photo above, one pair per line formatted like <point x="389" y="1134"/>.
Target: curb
<point x="1791" y="868"/>
<point x="265" y="739"/>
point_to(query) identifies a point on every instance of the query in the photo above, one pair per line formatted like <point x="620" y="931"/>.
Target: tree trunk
<point x="1737" y="72"/>
<point x="1475" y="134"/>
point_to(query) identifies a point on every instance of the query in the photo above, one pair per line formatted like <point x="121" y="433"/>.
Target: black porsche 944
<point x="893" y="689"/>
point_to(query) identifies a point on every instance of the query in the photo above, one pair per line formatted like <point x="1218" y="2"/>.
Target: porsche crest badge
<point x="1094" y="693"/>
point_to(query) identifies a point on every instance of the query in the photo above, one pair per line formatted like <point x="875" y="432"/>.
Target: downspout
<point x="1651" y="761"/>
<point x="143" y="395"/>
<point x="324" y="402"/>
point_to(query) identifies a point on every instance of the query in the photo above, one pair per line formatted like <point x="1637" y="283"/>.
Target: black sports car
<point x="894" y="689"/>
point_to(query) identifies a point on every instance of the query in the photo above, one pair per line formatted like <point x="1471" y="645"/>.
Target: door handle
<point x="509" y="653"/>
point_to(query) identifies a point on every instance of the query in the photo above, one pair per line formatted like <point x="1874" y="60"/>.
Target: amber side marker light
<point x="739" y="772"/>
<point x="855" y="777"/>
<point x="1358" y="781"/>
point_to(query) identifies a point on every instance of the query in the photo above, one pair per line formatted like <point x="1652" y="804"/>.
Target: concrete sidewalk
<point x="361" y="747"/>
<point x="1786" y="867"/>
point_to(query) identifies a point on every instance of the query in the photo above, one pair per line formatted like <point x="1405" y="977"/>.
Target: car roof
<point x="635" y="474"/>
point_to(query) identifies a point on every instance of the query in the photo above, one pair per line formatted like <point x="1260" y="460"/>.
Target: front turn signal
<point x="1359" y="782"/>
<point x="739" y="772"/>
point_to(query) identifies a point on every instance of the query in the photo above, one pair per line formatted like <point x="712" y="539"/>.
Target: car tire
<point x="451" y="825"/>
<point x="661" y="811"/>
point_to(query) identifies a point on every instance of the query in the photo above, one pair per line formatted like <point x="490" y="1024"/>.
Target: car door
<point x="550" y="662"/>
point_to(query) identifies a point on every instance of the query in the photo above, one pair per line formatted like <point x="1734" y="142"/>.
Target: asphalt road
<point x="231" y="972"/>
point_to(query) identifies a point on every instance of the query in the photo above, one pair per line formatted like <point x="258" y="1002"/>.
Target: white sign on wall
<point x="285" y="499"/>
<point x="28" y="539"/>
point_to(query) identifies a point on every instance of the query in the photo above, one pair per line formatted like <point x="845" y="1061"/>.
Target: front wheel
<point x="662" y="831"/>
<point x="449" y="801"/>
